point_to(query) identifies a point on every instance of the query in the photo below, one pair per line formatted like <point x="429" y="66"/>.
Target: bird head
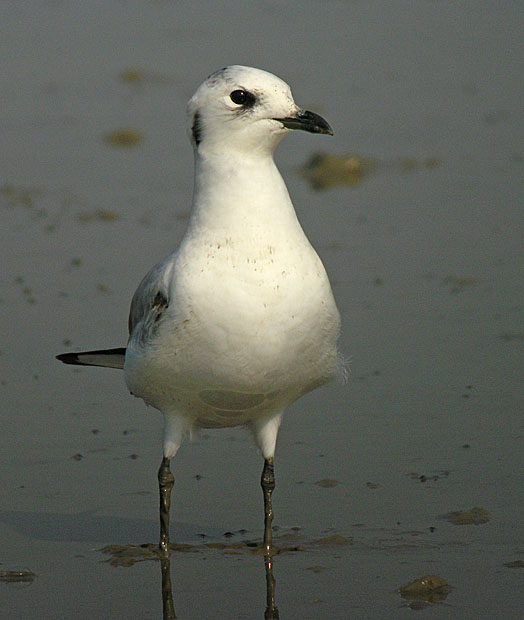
<point x="246" y="109"/>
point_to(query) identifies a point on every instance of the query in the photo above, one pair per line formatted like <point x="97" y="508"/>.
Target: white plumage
<point x="240" y="320"/>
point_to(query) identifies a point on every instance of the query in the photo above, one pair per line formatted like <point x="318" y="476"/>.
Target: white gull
<point x="240" y="320"/>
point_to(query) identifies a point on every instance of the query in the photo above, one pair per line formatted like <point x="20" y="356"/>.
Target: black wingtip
<point x="108" y="358"/>
<point x="68" y="358"/>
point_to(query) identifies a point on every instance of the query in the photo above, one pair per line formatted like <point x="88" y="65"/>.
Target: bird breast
<point x="249" y="314"/>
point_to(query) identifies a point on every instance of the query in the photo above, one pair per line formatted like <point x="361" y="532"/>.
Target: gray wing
<point x="149" y="303"/>
<point x="147" y="306"/>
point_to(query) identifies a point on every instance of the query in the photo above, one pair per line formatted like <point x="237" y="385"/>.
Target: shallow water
<point x="426" y="264"/>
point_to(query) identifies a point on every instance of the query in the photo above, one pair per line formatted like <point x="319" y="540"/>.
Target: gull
<point x="240" y="321"/>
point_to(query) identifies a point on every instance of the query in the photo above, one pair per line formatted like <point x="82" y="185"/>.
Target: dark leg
<point x="165" y="484"/>
<point x="268" y="485"/>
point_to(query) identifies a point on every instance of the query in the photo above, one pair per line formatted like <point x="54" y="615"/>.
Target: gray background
<point x="426" y="265"/>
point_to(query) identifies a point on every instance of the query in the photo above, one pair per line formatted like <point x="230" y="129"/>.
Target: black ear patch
<point x="196" y="128"/>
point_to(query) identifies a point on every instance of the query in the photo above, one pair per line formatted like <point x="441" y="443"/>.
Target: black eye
<point x="239" y="97"/>
<point x="243" y="98"/>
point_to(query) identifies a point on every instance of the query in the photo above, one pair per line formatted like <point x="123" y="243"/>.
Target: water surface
<point x="426" y="264"/>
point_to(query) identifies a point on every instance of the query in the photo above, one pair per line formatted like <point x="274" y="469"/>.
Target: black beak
<point x="307" y="121"/>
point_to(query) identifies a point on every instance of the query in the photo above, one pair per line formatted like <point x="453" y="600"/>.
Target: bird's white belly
<point x="240" y="339"/>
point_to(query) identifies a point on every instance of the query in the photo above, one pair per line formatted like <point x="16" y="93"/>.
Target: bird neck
<point x="240" y="191"/>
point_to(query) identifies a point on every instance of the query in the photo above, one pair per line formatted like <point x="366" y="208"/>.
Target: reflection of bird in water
<point x="240" y="321"/>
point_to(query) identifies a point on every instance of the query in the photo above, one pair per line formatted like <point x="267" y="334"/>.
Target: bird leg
<point x="268" y="484"/>
<point x="165" y="484"/>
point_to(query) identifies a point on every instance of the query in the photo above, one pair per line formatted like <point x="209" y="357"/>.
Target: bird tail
<point x="108" y="358"/>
